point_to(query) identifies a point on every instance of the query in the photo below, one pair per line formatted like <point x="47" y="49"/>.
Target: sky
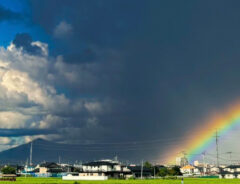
<point x="138" y="75"/>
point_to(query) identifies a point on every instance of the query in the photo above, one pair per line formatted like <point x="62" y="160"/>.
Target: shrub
<point x="8" y="170"/>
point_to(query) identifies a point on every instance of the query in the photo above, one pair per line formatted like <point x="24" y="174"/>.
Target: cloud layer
<point x="30" y="101"/>
<point x="8" y="15"/>
<point x="119" y="71"/>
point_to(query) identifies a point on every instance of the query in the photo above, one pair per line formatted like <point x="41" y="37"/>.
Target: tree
<point x="147" y="165"/>
<point x="76" y="170"/>
<point x="163" y="172"/>
<point x="175" y="171"/>
<point x="8" y="170"/>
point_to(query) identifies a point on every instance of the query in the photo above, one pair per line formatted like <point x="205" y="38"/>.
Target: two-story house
<point x="112" y="169"/>
<point x="230" y="172"/>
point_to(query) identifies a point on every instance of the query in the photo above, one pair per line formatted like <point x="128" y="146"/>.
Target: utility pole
<point x="59" y="159"/>
<point x="142" y="170"/>
<point x="203" y="155"/>
<point x="27" y="162"/>
<point x="154" y="170"/>
<point x="217" y="154"/>
<point x="230" y="157"/>
<point x="31" y="154"/>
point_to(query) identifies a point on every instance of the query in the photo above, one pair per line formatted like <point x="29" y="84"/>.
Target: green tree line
<point x="163" y="171"/>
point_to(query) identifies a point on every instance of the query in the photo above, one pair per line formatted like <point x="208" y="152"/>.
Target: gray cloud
<point x="24" y="41"/>
<point x="161" y="67"/>
<point x="6" y="14"/>
<point x="62" y="29"/>
<point x="32" y="104"/>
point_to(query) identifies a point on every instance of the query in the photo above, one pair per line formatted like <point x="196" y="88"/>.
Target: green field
<point x="157" y="181"/>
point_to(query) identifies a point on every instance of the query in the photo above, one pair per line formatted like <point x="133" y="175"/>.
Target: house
<point x="181" y="161"/>
<point x="104" y="169"/>
<point x="109" y="168"/>
<point x="189" y="170"/>
<point x="87" y="177"/>
<point x="28" y="169"/>
<point x="230" y="172"/>
<point x="48" y="169"/>
<point x="232" y="168"/>
<point x="214" y="170"/>
<point x="138" y="171"/>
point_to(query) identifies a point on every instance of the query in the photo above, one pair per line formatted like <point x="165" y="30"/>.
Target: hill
<point x="44" y="150"/>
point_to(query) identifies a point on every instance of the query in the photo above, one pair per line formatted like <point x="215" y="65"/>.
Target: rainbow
<point x="201" y="137"/>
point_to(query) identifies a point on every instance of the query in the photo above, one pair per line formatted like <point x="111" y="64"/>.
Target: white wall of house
<point x="187" y="171"/>
<point x="102" y="168"/>
<point x="97" y="168"/>
<point x="126" y="169"/>
<point x="117" y="167"/>
<point x="229" y="176"/>
<point x="70" y="177"/>
<point x="91" y="174"/>
<point x="229" y="170"/>
<point x="196" y="171"/>
<point x="214" y="169"/>
<point x="42" y="170"/>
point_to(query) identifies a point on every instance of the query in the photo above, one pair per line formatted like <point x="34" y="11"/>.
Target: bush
<point x="163" y="172"/>
<point x="8" y="170"/>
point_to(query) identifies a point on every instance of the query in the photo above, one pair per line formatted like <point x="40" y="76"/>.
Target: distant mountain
<point x="44" y="150"/>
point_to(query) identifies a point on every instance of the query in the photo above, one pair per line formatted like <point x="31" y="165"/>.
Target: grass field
<point x="157" y="181"/>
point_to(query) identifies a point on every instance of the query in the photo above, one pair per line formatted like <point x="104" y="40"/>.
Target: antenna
<point x="31" y="155"/>
<point x="217" y="154"/>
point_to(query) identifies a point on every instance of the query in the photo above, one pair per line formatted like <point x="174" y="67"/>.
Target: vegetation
<point x="22" y="180"/>
<point x="147" y="164"/>
<point x="175" y="171"/>
<point x="163" y="171"/>
<point x="8" y="170"/>
<point x="76" y="170"/>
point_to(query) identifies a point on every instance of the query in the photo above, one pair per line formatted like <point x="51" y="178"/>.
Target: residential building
<point x="48" y="169"/>
<point x="181" y="161"/>
<point x="189" y="170"/>
<point x="230" y="172"/>
<point x="112" y="169"/>
<point x="138" y="171"/>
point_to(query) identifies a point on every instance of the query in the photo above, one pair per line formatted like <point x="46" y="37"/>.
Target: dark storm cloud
<point x="108" y="28"/>
<point x="24" y="132"/>
<point x="6" y="14"/>
<point x="174" y="61"/>
<point x="24" y="40"/>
